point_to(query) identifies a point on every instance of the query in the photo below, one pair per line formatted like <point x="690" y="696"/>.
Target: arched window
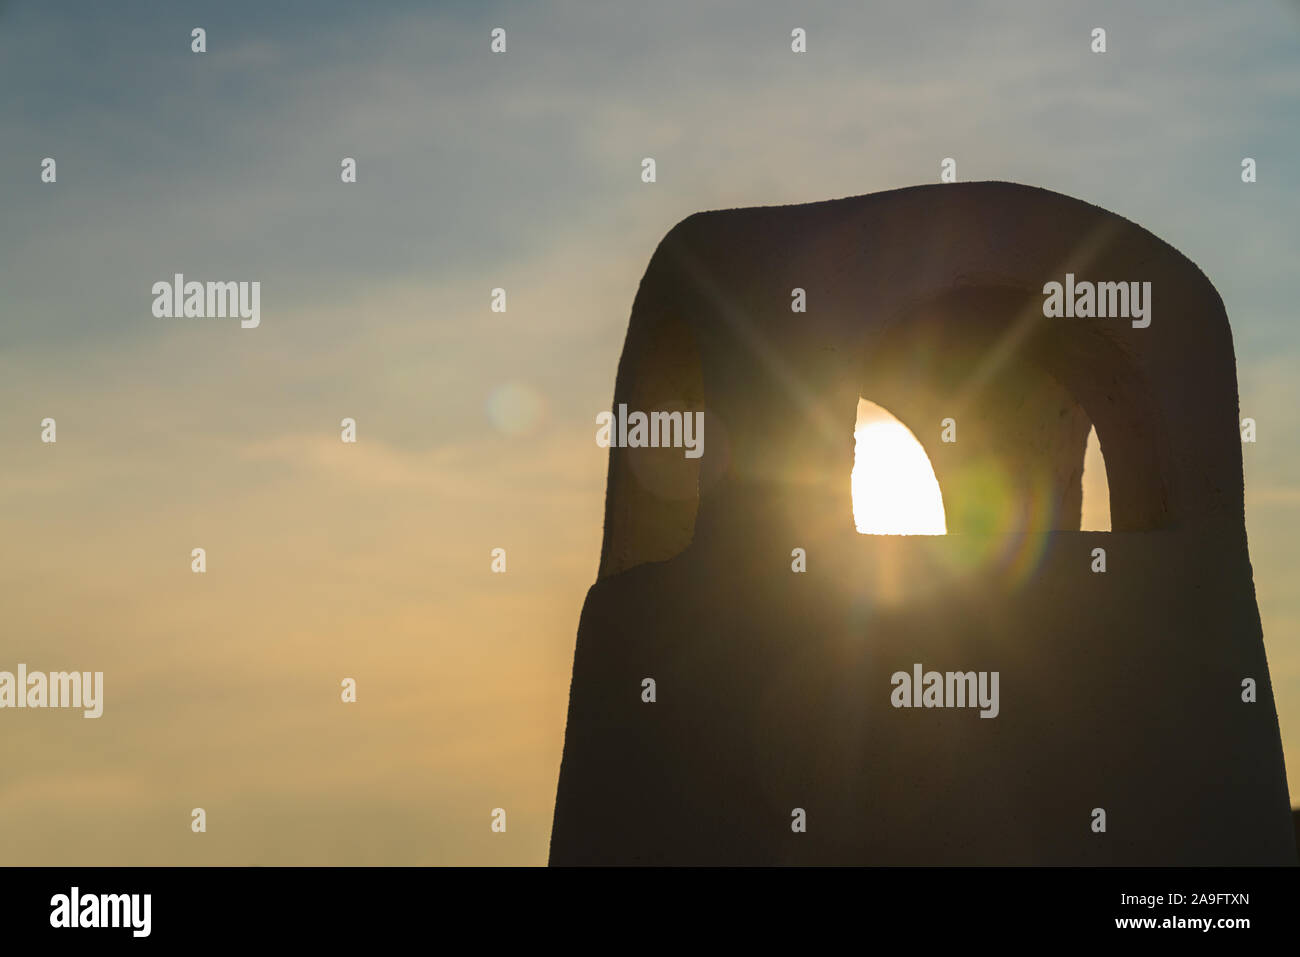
<point x="895" y="491"/>
<point x="1096" y="488"/>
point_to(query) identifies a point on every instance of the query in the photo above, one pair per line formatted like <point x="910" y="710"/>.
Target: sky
<point x="475" y="429"/>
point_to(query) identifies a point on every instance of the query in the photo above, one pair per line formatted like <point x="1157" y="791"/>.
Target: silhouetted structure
<point x="1120" y="691"/>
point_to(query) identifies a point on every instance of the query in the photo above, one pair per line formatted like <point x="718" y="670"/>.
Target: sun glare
<point x="894" y="488"/>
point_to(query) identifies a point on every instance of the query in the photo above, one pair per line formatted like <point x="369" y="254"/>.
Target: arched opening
<point x="1095" y="511"/>
<point x="1024" y="455"/>
<point x="895" y="491"/>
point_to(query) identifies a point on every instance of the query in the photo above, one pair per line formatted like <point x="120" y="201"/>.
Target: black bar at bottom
<point x="542" y="907"/>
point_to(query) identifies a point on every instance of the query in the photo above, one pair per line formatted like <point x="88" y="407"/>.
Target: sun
<point x="894" y="488"/>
